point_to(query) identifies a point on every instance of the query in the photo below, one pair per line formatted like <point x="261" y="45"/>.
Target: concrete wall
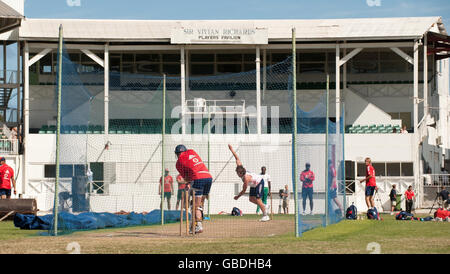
<point x="136" y="165"/>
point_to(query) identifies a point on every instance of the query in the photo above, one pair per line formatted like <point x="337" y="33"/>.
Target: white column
<point x="26" y="114"/>
<point x="338" y="85"/>
<point x="106" y="89"/>
<point x="183" y="89"/>
<point x="18" y="83"/>
<point x="415" y="146"/>
<point x="264" y="73"/>
<point x="425" y="75"/>
<point x="344" y="76"/>
<point x="258" y="90"/>
<point x="443" y="105"/>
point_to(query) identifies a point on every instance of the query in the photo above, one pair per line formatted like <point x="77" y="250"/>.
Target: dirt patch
<point x="221" y="228"/>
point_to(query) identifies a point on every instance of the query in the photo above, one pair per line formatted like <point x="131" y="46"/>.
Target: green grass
<point x="9" y="232"/>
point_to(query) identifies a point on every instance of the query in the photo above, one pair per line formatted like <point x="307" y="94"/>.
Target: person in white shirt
<point x="403" y="130"/>
<point x="267" y="189"/>
<point x="254" y="181"/>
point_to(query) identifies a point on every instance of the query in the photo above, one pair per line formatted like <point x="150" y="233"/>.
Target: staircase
<point x="8" y="82"/>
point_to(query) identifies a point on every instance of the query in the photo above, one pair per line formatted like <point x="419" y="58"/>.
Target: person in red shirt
<point x="196" y="175"/>
<point x="181" y="188"/>
<point x="371" y="185"/>
<point x="332" y="187"/>
<point x="168" y="187"/>
<point x="410" y="197"/>
<point x="6" y="178"/>
<point x="307" y="177"/>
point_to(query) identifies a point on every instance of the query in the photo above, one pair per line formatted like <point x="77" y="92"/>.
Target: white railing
<point x="9" y="146"/>
<point x="431" y="185"/>
<point x="437" y="180"/>
<point x="200" y="106"/>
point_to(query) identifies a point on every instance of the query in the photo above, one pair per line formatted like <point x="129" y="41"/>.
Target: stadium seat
<point x="74" y="130"/>
<point x="51" y="130"/>
<point x="82" y="129"/>
<point x="43" y="129"/>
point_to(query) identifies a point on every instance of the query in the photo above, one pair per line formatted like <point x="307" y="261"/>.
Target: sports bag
<point x="351" y="213"/>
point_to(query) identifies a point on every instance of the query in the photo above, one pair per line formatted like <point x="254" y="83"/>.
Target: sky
<point x="235" y="9"/>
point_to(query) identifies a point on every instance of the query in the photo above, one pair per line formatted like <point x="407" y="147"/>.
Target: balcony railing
<point x="9" y="146"/>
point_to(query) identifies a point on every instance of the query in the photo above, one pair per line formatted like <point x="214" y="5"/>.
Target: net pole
<point x="294" y="134"/>
<point x="209" y="151"/>
<point x="163" y="132"/>
<point x="343" y="157"/>
<point x="327" y="166"/>
<point x="58" y="133"/>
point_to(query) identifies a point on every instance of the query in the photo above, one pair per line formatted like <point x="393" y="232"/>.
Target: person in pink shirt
<point x="307" y="177"/>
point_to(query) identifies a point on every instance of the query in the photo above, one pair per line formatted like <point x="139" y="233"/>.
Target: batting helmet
<point x="180" y="148"/>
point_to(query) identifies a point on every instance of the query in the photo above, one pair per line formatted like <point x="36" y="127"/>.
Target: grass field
<point x="348" y="237"/>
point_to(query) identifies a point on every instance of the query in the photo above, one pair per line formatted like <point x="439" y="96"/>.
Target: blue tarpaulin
<point x="91" y="220"/>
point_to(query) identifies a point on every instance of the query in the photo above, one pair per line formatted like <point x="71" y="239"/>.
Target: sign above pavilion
<point x="217" y="34"/>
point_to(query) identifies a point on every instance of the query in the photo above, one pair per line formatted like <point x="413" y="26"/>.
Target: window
<point x="391" y="62"/>
<point x="349" y="170"/>
<point x="202" y="69"/>
<point x="49" y="171"/>
<point x="387" y="169"/>
<point x="404" y="116"/>
<point x="65" y="171"/>
<point x="171" y="69"/>
<point x="98" y="185"/>
<point x="279" y="57"/>
<point x="229" y="68"/>
<point x="361" y="170"/>
<point x="79" y="170"/>
<point x="202" y="58"/>
<point x="393" y="169"/>
<point x="148" y="63"/>
<point x="407" y="169"/>
<point x="311" y="67"/>
<point x="229" y="58"/>
<point x="45" y="64"/>
<point x="364" y="62"/>
<point x="380" y="169"/>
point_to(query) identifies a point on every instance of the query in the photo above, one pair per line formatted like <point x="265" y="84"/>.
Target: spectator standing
<point x="403" y="130"/>
<point x="285" y="198"/>
<point x="6" y="179"/>
<point x="409" y="199"/>
<point x="307" y="177"/>
<point x="393" y="198"/>
<point x="168" y="187"/>
<point x="371" y="184"/>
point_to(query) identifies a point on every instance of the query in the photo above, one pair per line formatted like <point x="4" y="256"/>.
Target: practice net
<point x="110" y="173"/>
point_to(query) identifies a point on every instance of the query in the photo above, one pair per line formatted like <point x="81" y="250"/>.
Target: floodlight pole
<point x="298" y="232"/>
<point x="58" y="132"/>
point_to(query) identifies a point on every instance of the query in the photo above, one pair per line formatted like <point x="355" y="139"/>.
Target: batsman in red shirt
<point x="371" y="185"/>
<point x="196" y="174"/>
<point x="6" y="178"/>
